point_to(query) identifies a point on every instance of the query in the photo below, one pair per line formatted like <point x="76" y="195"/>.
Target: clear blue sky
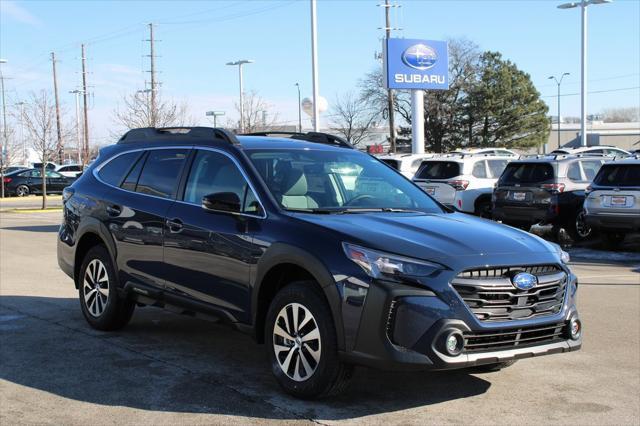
<point x="198" y="37"/>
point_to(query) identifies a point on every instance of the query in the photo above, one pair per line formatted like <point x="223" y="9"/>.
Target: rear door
<point x="435" y="176"/>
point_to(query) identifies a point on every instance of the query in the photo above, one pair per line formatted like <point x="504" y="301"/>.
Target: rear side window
<point x="439" y="170"/>
<point x="591" y="168"/>
<point x="497" y="167"/>
<point x="159" y="176"/>
<point x="115" y="170"/>
<point x="527" y="173"/>
<point x="619" y="175"/>
<point x="393" y="163"/>
<point x="573" y="172"/>
<point x="479" y="170"/>
<point x="131" y="180"/>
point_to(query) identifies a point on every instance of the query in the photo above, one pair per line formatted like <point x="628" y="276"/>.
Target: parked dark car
<point x="25" y="182"/>
<point x="324" y="253"/>
<point x="12" y="169"/>
<point x="546" y="190"/>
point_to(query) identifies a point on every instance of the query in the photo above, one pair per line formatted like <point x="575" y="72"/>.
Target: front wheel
<point x="302" y="344"/>
<point x="102" y="306"/>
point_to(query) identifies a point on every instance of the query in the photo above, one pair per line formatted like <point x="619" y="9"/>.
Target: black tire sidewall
<point x="304" y="293"/>
<point x="110" y="315"/>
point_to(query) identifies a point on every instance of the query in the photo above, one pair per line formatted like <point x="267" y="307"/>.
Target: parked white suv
<point x="70" y="170"/>
<point x="407" y="164"/>
<point x="609" y="151"/>
<point x="462" y="181"/>
<point x="500" y="152"/>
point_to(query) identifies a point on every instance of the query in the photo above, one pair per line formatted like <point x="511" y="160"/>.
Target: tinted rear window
<point x="393" y="163"/>
<point x="115" y="170"/>
<point x="527" y="173"/>
<point x="619" y="175"/>
<point x="439" y="170"/>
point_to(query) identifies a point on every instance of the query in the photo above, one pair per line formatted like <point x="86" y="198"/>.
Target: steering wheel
<point x="358" y="198"/>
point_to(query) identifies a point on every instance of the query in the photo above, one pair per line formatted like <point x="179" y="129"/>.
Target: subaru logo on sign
<point x="420" y="57"/>
<point x="524" y="281"/>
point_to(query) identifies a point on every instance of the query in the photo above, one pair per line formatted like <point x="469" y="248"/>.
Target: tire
<point x="102" y="306"/>
<point x="22" y="190"/>
<point x="578" y="228"/>
<point x="612" y="240"/>
<point x="483" y="209"/>
<point x="304" y="368"/>
<point x="490" y="368"/>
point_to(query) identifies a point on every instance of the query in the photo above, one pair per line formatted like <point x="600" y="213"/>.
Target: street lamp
<point x="583" y="67"/>
<point x="215" y="115"/>
<point x="240" y="63"/>
<point x="299" y="110"/>
<point x="78" y="92"/>
<point x="3" y="145"/>
<point x="558" y="82"/>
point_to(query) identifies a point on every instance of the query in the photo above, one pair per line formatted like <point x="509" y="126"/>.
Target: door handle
<point x="174" y="225"/>
<point x="114" y="210"/>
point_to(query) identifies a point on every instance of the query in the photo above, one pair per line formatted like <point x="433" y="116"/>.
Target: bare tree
<point x="352" y="117"/>
<point x="40" y="124"/>
<point x="621" y="115"/>
<point x="257" y="115"/>
<point x="135" y="111"/>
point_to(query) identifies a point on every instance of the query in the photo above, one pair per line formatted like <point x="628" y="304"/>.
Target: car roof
<point x="268" y="142"/>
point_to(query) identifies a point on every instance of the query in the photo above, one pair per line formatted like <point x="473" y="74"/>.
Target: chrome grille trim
<point x="492" y="297"/>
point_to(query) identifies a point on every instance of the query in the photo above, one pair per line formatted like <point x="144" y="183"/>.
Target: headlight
<point x="564" y="256"/>
<point x="389" y="266"/>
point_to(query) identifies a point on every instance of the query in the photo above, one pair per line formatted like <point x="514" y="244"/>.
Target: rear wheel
<point x="22" y="190"/>
<point x="102" y="306"/>
<point x="302" y="344"/>
<point x="483" y="209"/>
<point x="578" y="228"/>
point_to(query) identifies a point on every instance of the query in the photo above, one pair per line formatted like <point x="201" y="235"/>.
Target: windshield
<point x="619" y="175"/>
<point x="341" y="181"/>
<point x="526" y="173"/>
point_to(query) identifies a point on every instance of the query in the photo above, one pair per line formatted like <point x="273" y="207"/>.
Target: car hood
<point x="448" y="238"/>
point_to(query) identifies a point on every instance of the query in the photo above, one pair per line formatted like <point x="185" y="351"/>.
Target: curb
<point x="18" y="210"/>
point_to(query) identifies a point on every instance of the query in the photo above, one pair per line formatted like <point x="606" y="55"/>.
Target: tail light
<point x="7" y="180"/>
<point x="459" y="185"/>
<point x="553" y="187"/>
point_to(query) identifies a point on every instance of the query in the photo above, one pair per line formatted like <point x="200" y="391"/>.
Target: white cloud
<point x="19" y="13"/>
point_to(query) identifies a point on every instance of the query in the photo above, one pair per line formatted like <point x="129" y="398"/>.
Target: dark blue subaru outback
<point x="325" y="254"/>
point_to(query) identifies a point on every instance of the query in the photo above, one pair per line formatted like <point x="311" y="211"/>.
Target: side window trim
<point x="187" y="171"/>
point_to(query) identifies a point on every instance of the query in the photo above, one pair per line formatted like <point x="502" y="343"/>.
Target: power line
<point x="622" y="89"/>
<point x="594" y="79"/>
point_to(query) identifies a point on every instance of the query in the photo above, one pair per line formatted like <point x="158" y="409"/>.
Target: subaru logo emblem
<point x="420" y="56"/>
<point x="524" y="281"/>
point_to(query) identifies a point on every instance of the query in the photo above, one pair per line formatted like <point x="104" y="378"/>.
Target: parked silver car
<point x="612" y="204"/>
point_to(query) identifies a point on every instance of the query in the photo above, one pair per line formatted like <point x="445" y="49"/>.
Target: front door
<point x="207" y="254"/>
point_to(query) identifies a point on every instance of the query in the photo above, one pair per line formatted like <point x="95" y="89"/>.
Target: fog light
<point x="454" y="343"/>
<point x="575" y="329"/>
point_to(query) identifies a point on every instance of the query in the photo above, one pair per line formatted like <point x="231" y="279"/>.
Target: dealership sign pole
<point x="416" y="65"/>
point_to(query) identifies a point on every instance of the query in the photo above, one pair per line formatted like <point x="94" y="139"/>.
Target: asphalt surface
<point x="169" y="369"/>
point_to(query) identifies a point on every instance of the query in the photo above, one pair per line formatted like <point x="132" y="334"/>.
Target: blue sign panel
<point x="416" y="64"/>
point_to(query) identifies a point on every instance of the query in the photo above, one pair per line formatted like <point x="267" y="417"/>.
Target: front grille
<point x="508" y="339"/>
<point x="491" y="296"/>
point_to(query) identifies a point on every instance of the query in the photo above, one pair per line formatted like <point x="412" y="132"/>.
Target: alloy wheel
<point x="296" y="342"/>
<point x="582" y="229"/>
<point x="96" y="287"/>
<point x="22" y="191"/>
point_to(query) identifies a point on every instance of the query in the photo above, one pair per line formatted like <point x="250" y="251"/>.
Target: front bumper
<point x="403" y="328"/>
<point x="614" y="222"/>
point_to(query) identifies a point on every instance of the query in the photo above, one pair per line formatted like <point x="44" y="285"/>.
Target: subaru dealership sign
<point x="416" y="64"/>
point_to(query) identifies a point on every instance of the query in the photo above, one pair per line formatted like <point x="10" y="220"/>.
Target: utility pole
<point x="299" y="110"/>
<point x="392" y="132"/>
<point x="314" y="68"/>
<point x="58" y="127"/>
<point x="85" y="148"/>
<point x="153" y="76"/>
<point x="22" y="140"/>
<point x="5" y="142"/>
<point x="78" y="127"/>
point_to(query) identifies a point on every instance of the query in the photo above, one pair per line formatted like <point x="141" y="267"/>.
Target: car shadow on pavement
<point x="33" y="228"/>
<point x="170" y="363"/>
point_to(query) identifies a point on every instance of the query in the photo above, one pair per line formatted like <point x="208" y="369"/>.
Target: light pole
<point x="583" y="67"/>
<point x="558" y="82"/>
<point x="215" y="115"/>
<point x="240" y="63"/>
<point x="3" y="145"/>
<point x="314" y="67"/>
<point x="299" y="109"/>
<point x="78" y="139"/>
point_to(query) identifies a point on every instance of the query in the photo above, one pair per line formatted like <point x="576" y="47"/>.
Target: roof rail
<point x="145" y="134"/>
<point x="317" y="137"/>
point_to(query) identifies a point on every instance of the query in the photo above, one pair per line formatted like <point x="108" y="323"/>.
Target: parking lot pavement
<point x="169" y="369"/>
<point x="29" y="202"/>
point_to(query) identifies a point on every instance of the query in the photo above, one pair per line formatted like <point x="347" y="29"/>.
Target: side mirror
<point x="224" y="202"/>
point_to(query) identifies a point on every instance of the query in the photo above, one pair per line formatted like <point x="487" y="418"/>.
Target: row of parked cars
<point x="25" y="180"/>
<point x="580" y="190"/>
